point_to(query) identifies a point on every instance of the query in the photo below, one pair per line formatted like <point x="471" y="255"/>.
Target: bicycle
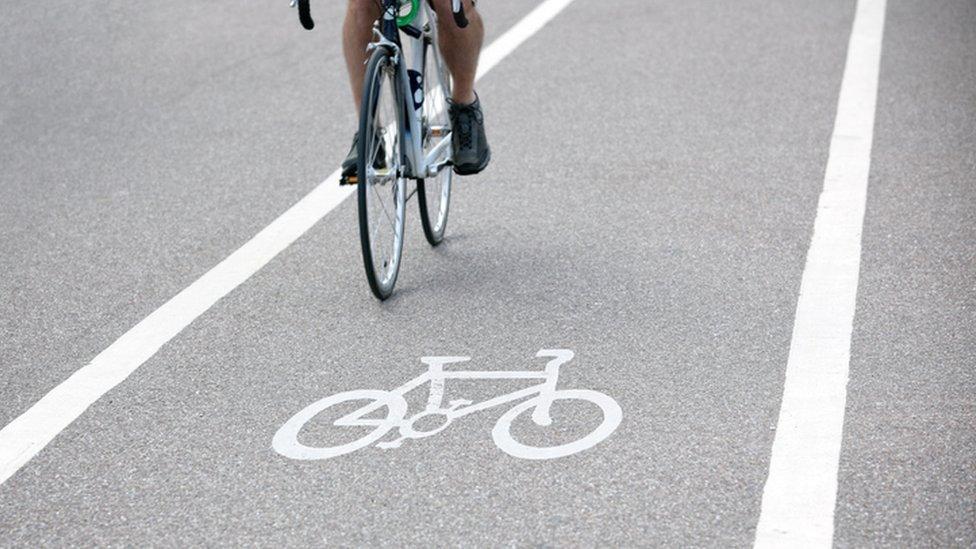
<point x="405" y="133"/>
<point x="539" y="399"/>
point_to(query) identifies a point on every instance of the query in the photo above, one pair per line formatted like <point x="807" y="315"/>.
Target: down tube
<point x="413" y="105"/>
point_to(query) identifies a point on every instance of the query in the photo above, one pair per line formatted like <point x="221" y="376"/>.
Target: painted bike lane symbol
<point x="539" y="398"/>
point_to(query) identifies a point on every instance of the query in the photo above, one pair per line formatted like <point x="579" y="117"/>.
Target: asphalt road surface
<point x="650" y="207"/>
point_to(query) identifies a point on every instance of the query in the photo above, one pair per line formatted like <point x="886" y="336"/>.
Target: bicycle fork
<point x="540" y="415"/>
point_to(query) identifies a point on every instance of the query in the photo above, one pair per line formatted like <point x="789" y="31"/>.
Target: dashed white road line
<point x="801" y="489"/>
<point x="29" y="433"/>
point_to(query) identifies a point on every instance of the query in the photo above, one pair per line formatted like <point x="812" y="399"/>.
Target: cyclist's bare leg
<point x="460" y="47"/>
<point x="357" y="33"/>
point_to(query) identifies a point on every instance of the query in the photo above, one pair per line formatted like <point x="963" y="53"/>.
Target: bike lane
<point x="140" y="146"/>
<point x="648" y="210"/>
<point x="907" y="472"/>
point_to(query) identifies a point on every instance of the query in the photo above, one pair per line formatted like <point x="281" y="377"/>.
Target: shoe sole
<point x="349" y="176"/>
<point x="468" y="170"/>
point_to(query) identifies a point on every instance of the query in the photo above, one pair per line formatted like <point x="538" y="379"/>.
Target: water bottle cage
<point x="404" y="19"/>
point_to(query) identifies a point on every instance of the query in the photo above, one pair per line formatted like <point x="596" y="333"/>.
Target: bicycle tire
<point x="381" y="80"/>
<point x="434" y="208"/>
<point x="286" y="442"/>
<point x="502" y="432"/>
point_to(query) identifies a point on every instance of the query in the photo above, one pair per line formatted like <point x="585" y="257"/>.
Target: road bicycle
<point x="538" y="398"/>
<point x="404" y="134"/>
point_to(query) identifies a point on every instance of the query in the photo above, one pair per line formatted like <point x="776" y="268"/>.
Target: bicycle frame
<point x="411" y="77"/>
<point x="436" y="375"/>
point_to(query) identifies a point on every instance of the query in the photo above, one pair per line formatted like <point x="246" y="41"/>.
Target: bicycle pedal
<point x="348" y="180"/>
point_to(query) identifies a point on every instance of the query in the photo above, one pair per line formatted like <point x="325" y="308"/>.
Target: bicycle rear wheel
<point x="434" y="194"/>
<point x="382" y="187"/>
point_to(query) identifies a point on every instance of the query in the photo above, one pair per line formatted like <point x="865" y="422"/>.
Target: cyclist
<point x="460" y="49"/>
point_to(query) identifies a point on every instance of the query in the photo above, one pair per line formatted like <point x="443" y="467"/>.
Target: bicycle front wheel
<point x="434" y="194"/>
<point x="612" y="415"/>
<point x="381" y="187"/>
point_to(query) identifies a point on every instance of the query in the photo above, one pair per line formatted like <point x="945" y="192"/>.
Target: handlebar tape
<point x="305" y="15"/>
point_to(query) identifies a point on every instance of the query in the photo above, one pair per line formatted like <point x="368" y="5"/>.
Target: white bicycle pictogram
<point x="539" y="398"/>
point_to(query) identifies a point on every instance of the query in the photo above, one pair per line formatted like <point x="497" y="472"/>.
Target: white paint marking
<point x="539" y="399"/>
<point x="520" y="32"/>
<point x="29" y="433"/>
<point x="800" y="494"/>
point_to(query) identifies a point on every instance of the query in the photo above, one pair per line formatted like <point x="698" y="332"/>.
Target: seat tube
<point x="435" y="371"/>
<point x="388" y="25"/>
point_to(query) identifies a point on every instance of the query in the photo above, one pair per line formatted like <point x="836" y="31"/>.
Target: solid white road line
<point x="520" y="32"/>
<point x="26" y="435"/>
<point x="801" y="490"/>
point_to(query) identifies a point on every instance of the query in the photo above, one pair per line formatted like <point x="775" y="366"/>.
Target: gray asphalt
<point x="908" y="467"/>
<point x="652" y="195"/>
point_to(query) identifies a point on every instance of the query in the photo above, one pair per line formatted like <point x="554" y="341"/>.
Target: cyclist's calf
<point x="369" y="9"/>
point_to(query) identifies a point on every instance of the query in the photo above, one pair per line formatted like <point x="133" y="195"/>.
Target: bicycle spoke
<point x="437" y="126"/>
<point x="375" y="150"/>
<point x="380" y="199"/>
<point x="377" y="248"/>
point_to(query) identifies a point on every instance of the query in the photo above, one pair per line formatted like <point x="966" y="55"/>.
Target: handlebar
<point x="305" y="14"/>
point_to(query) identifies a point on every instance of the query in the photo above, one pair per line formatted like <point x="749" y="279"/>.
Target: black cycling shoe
<point x="352" y="160"/>
<point x="471" y="151"/>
